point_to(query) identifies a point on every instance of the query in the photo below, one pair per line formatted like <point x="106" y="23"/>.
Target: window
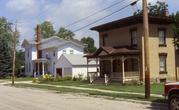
<point x="163" y="62"/>
<point x="29" y="67"/>
<point x="28" y="53"/>
<point x="54" y="53"/>
<point x="26" y="67"/>
<point x="71" y="51"/>
<point x="162" y="37"/>
<point x="104" y="39"/>
<point x="134" y="39"/>
<point x="64" y="51"/>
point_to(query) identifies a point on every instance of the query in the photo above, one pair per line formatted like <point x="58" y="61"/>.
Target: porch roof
<point x="41" y="60"/>
<point x="112" y="51"/>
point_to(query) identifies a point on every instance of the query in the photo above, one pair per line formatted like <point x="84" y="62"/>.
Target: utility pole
<point x="14" y="53"/>
<point x="146" y="47"/>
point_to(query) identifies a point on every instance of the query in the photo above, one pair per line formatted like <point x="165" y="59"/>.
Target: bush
<point x="66" y="78"/>
<point x="35" y="80"/>
<point x="48" y="77"/>
<point x="78" y="78"/>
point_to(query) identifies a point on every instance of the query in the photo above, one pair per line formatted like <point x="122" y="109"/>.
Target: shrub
<point x="48" y="77"/>
<point x="35" y="80"/>
<point x="78" y="78"/>
<point x="66" y="78"/>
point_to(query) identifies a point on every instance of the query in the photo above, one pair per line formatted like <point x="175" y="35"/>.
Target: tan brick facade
<point x="122" y="36"/>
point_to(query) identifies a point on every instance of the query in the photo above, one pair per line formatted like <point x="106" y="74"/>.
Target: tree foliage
<point x="47" y="29"/>
<point x="176" y="29"/>
<point x="90" y="48"/>
<point x="65" y="34"/>
<point x="6" y="41"/>
<point x="5" y="58"/>
<point x="157" y="9"/>
<point x="20" y="62"/>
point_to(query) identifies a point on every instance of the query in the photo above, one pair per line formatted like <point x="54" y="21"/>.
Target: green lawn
<point x="93" y="93"/>
<point x="18" y="79"/>
<point x="155" y="88"/>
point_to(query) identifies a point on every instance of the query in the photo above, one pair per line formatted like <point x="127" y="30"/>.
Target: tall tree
<point x="5" y="59"/>
<point x="90" y="48"/>
<point x="47" y="29"/>
<point x="6" y="43"/>
<point x="155" y="9"/>
<point x="20" y="62"/>
<point x="176" y="29"/>
<point x="65" y="34"/>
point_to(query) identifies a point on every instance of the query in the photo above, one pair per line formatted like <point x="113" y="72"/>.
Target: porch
<point x="40" y="67"/>
<point x="123" y="66"/>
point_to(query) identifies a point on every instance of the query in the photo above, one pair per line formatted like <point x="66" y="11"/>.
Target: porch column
<point x="97" y="67"/>
<point x="43" y="72"/>
<point x="35" y="70"/>
<point x="38" y="68"/>
<point x="139" y="70"/>
<point x="111" y="67"/>
<point x="87" y="69"/>
<point x="123" y="70"/>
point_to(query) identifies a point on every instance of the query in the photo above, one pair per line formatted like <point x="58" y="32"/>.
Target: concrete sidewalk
<point x="84" y="88"/>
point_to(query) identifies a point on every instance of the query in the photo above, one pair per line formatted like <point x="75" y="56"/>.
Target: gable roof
<point x="132" y="20"/>
<point x="77" y="59"/>
<point x="53" y="41"/>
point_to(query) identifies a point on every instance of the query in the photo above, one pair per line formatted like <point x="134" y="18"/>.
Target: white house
<point x="75" y="65"/>
<point x="51" y="50"/>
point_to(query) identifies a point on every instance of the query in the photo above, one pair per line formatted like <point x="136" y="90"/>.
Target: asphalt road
<point x="30" y="99"/>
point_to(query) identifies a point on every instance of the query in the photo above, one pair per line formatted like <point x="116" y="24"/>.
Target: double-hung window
<point x="134" y="39"/>
<point x="104" y="39"/>
<point x="162" y="36"/>
<point x="163" y="63"/>
<point x="71" y="51"/>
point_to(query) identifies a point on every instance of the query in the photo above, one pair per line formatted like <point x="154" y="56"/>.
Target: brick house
<point x="121" y="52"/>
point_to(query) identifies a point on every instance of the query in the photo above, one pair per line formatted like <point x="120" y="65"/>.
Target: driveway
<point x="30" y="99"/>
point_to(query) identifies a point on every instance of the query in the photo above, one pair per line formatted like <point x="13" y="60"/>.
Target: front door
<point x="59" y="72"/>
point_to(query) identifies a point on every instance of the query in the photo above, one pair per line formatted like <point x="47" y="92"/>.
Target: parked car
<point x="172" y="95"/>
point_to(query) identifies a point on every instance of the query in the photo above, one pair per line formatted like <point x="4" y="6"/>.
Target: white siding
<point x="82" y="70"/>
<point x="68" y="47"/>
<point x="50" y="52"/>
<point x="30" y="55"/>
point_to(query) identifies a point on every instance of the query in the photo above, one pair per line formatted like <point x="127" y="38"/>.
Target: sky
<point x="29" y="13"/>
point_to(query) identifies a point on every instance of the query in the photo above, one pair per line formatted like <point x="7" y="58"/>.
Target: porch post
<point x="123" y="70"/>
<point x="87" y="69"/>
<point x="97" y="68"/>
<point x="38" y="68"/>
<point x="35" y="70"/>
<point x="111" y="67"/>
<point x="43" y="72"/>
<point x="139" y="70"/>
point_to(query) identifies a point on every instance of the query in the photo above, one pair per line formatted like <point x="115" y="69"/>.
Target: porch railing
<point x="128" y="76"/>
<point x="132" y="74"/>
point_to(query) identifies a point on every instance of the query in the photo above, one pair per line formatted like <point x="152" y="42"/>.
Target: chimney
<point x="165" y="12"/>
<point x="38" y="39"/>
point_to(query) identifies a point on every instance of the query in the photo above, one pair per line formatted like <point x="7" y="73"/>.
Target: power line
<point x="95" y="13"/>
<point x="106" y="16"/>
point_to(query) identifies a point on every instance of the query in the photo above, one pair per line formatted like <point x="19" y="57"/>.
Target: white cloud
<point x="63" y="12"/>
<point x="23" y="7"/>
